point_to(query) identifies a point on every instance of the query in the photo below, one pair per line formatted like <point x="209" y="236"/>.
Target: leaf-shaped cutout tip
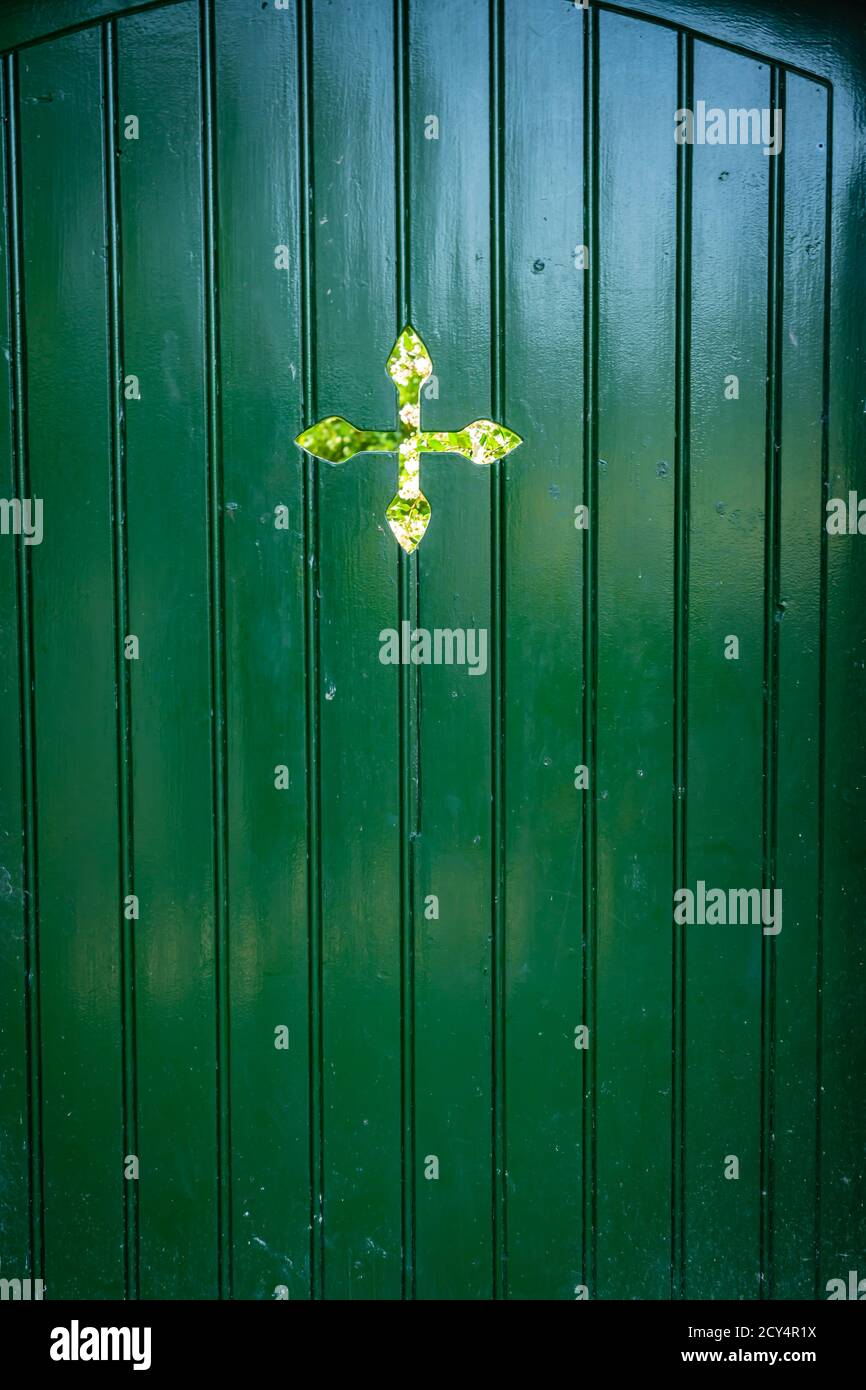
<point x="335" y="440"/>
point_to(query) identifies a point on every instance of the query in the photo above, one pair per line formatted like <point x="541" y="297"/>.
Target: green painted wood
<point x="449" y="240"/>
<point x="841" y="1120"/>
<point x="15" y="918"/>
<point x="723" y="977"/>
<point x="77" y="839"/>
<point x="251" y="258"/>
<point x="794" y="1239"/>
<point x="543" y="595"/>
<point x="354" y="566"/>
<point x="636" y="710"/>
<point x="23" y="22"/>
<point x="261" y="357"/>
<point x="163" y="345"/>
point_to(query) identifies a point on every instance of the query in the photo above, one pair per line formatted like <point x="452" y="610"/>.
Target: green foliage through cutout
<point x="335" y="440"/>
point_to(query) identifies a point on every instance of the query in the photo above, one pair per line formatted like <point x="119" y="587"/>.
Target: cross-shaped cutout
<point x="335" y="440"/>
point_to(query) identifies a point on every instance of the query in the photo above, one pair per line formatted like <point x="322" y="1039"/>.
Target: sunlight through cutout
<point x="335" y="440"/>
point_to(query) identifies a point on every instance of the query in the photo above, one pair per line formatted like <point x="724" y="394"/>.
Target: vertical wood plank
<point x="635" y="527"/>
<point x="841" y="1124"/>
<point x="73" y="596"/>
<point x="543" y="602"/>
<point x="257" y="85"/>
<point x="450" y="295"/>
<point x="16" y="1115"/>
<point x="169" y="612"/>
<point x="794" y="1170"/>
<point x="723" y="978"/>
<point x="355" y="564"/>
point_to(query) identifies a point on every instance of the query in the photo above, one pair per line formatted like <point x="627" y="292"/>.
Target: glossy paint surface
<point x="316" y="939"/>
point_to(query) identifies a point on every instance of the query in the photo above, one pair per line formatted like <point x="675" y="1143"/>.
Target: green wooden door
<point x="330" y="974"/>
